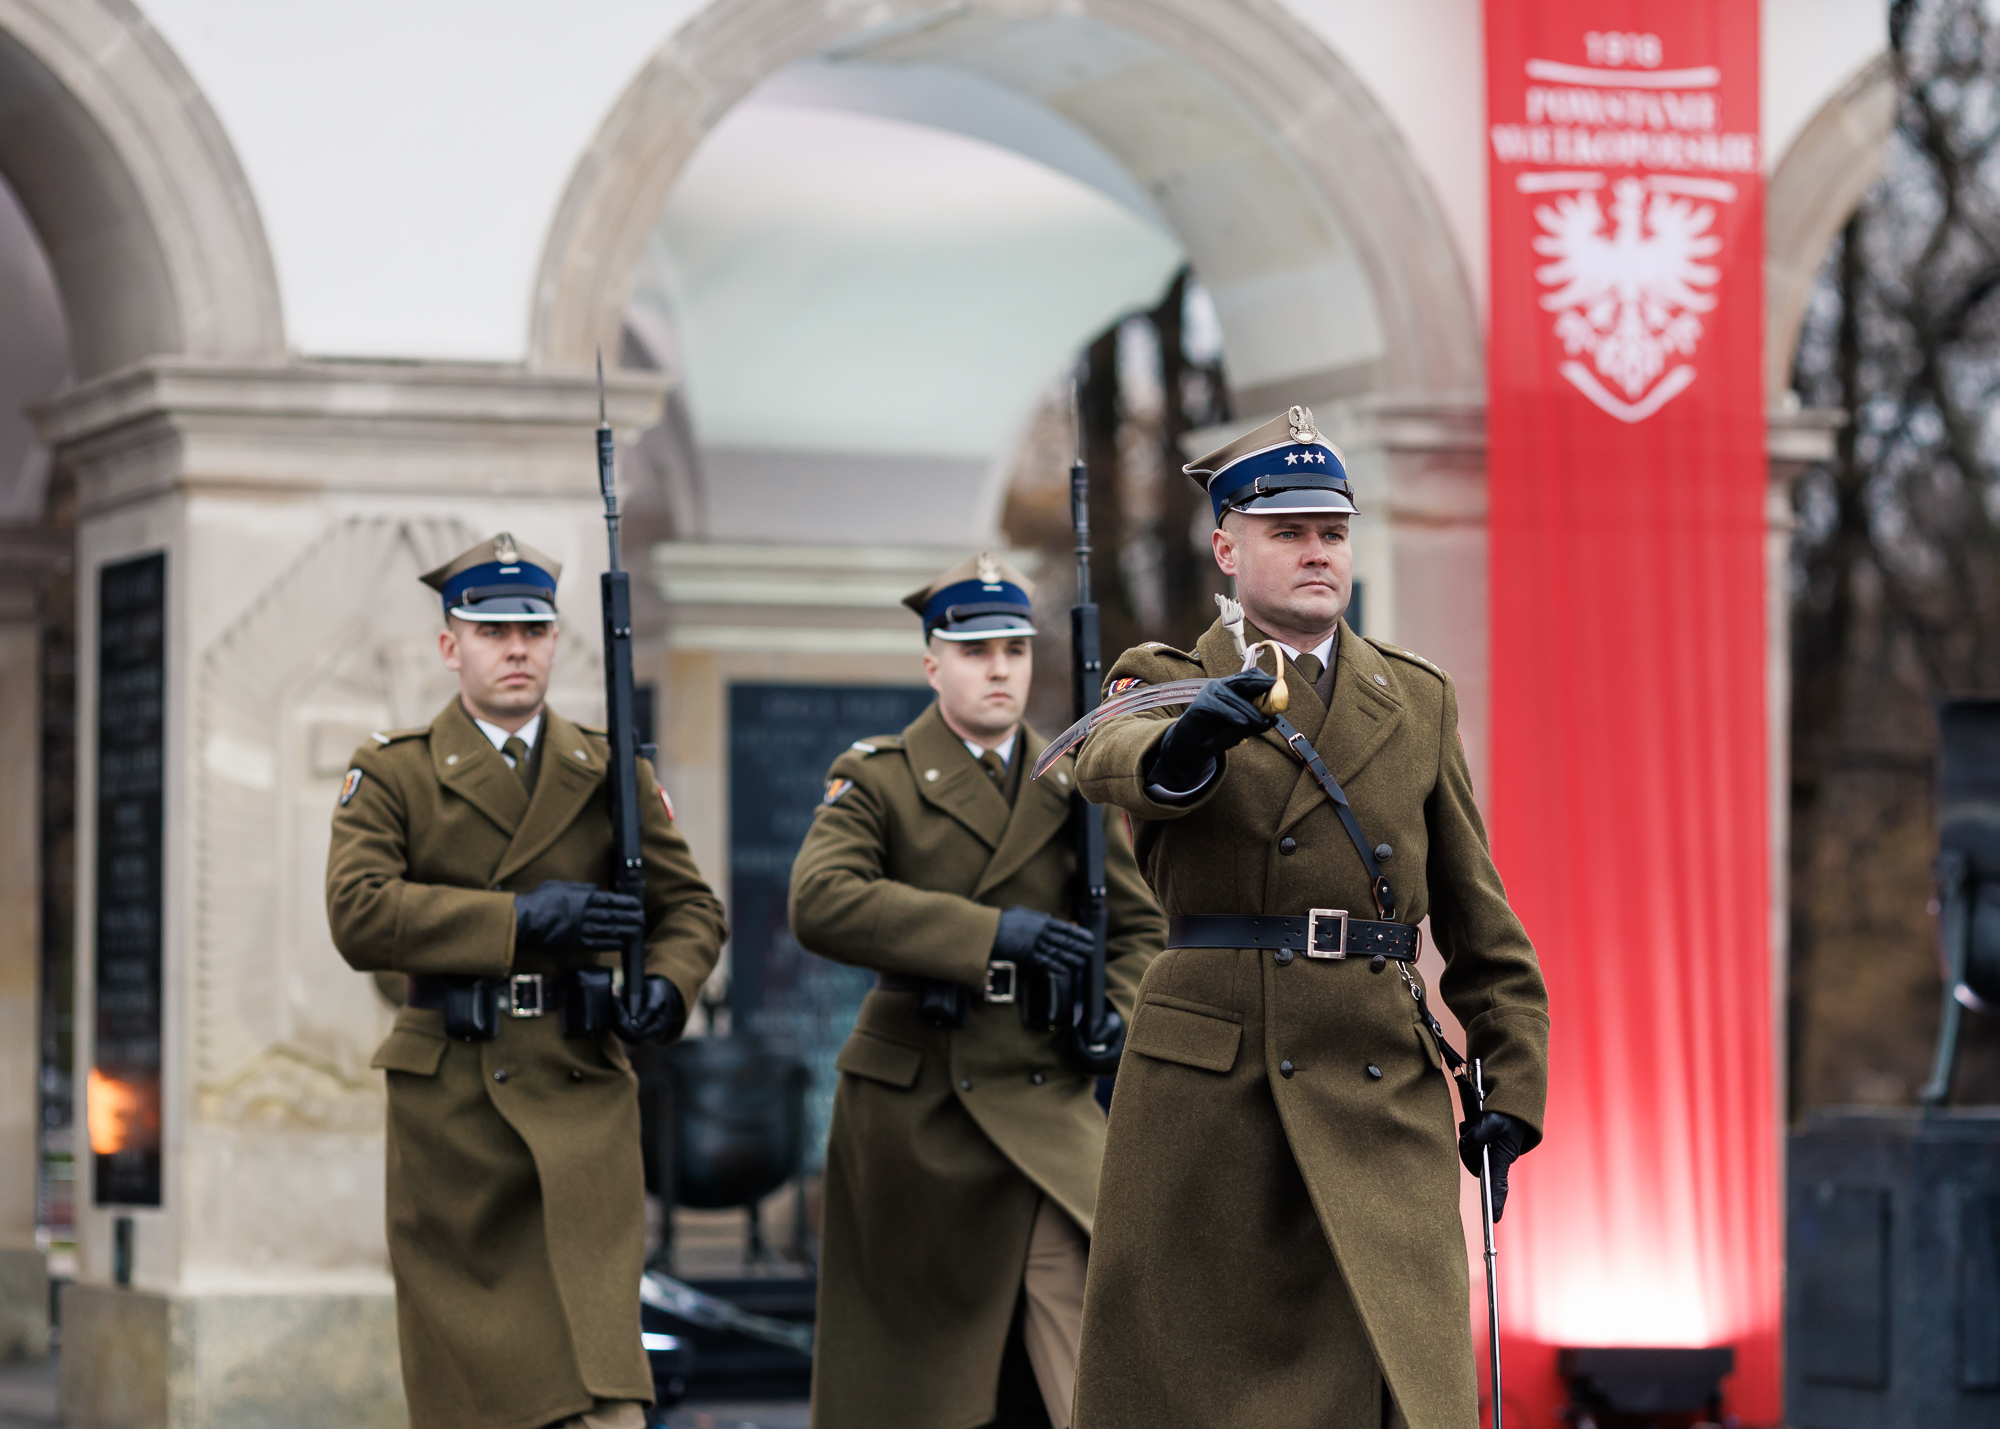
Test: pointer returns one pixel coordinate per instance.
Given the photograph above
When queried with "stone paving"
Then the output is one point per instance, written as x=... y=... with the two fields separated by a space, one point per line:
x=28 y=1395
x=28 y=1401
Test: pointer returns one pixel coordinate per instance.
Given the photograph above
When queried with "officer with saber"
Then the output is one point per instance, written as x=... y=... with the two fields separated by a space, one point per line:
x=1279 y=1191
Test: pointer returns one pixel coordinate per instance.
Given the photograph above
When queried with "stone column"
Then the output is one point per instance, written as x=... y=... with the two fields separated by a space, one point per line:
x=1419 y=470
x=24 y=1286
x=294 y=507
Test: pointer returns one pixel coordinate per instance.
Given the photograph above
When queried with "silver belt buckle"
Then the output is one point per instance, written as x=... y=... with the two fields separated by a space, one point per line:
x=1313 y=949
x=535 y=1004
x=1004 y=992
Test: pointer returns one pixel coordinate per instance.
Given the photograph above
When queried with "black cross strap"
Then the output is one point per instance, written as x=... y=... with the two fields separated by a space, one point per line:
x=1378 y=882
x=1385 y=896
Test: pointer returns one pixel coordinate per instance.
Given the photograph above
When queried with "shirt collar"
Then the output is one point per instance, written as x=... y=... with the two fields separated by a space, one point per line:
x=1324 y=649
x=1005 y=751
x=527 y=733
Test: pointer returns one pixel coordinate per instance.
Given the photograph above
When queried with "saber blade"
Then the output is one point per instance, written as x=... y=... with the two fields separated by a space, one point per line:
x=1149 y=697
x=1492 y=1255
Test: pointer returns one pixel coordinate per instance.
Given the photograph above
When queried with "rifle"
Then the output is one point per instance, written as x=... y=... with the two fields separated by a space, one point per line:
x=622 y=783
x=1088 y=1034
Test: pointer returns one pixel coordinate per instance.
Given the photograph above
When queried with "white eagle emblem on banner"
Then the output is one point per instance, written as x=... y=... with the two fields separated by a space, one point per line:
x=1628 y=292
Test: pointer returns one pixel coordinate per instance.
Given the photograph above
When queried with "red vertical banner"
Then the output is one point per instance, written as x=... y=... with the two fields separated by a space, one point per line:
x=1627 y=475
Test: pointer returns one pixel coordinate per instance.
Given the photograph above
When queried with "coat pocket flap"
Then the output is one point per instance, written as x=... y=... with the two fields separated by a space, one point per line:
x=880 y=1060
x=408 y=1051
x=1181 y=1034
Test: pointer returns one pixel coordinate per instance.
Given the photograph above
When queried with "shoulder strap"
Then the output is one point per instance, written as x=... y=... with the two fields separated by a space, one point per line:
x=1378 y=882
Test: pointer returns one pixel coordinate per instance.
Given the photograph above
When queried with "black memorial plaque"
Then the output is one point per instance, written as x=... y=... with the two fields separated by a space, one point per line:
x=123 y=1096
x=781 y=740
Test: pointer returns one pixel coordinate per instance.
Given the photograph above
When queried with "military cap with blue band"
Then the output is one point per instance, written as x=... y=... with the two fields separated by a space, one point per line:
x=1284 y=467
x=499 y=579
x=980 y=598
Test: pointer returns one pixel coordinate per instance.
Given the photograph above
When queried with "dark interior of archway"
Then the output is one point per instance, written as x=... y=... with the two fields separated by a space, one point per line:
x=90 y=218
x=1895 y=576
x=1152 y=574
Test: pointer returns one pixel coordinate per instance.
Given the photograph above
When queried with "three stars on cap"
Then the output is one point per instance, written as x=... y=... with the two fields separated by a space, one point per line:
x=1293 y=458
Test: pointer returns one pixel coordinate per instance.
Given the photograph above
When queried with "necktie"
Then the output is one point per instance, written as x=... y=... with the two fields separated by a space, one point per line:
x=1310 y=667
x=517 y=750
x=995 y=766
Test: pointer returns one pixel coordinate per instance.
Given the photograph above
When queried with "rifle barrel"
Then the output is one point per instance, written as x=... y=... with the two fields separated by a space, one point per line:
x=1087 y=677
x=622 y=782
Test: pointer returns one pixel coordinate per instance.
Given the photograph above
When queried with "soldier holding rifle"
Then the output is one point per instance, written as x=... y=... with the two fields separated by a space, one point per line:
x=1279 y=1239
x=476 y=856
x=962 y=1172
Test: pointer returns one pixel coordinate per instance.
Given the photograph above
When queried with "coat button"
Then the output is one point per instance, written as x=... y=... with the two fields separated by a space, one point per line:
x=1285 y=1069
x=965 y=1084
x=1288 y=845
x=1383 y=852
x=1374 y=1072
x=931 y=775
x=575 y=1075
x=499 y=1074
x=1282 y=957
x=1038 y=1079
x=1382 y=680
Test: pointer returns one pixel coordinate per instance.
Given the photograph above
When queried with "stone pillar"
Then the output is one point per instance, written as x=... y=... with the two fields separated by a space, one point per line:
x=294 y=507
x=1419 y=470
x=24 y=1286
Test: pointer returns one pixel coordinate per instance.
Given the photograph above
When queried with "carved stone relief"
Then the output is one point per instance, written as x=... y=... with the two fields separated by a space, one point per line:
x=281 y=1028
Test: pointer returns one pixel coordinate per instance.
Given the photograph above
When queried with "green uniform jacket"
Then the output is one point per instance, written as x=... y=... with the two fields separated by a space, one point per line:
x=1276 y=1219
x=516 y=1201
x=944 y=1143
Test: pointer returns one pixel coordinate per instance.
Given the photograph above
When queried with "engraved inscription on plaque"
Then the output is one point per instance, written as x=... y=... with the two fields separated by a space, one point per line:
x=123 y=1091
x=781 y=740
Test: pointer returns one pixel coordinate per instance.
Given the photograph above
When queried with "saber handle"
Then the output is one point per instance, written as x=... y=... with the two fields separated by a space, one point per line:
x=1492 y=1253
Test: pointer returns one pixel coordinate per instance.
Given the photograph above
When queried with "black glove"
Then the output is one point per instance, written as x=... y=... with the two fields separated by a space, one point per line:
x=566 y=918
x=1223 y=714
x=662 y=1012
x=1504 y=1137
x=1043 y=941
x=1100 y=1060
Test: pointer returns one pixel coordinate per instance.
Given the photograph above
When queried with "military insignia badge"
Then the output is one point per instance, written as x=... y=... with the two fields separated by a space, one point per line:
x=1129 y=682
x=665 y=800
x=835 y=788
x=349 y=785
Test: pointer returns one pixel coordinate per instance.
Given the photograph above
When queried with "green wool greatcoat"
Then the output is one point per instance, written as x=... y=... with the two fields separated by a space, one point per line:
x=944 y=1143
x=1271 y=1248
x=516 y=1199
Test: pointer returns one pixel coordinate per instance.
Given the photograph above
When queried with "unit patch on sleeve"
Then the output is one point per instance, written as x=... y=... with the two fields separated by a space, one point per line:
x=1128 y=682
x=349 y=785
x=834 y=789
x=665 y=800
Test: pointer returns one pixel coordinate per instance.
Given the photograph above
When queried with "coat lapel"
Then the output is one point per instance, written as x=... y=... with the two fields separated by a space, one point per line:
x=1040 y=812
x=467 y=764
x=1364 y=713
x=572 y=768
x=950 y=778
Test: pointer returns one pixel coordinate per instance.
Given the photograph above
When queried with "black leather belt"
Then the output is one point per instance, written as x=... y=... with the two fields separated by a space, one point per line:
x=1322 y=933
x=999 y=983
x=522 y=995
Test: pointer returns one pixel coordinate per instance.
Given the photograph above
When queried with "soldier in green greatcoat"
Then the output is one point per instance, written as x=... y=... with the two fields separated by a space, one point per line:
x=961 y=1175
x=1278 y=1236
x=473 y=856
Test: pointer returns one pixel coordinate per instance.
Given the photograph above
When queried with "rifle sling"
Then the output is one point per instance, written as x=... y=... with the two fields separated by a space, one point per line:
x=1384 y=895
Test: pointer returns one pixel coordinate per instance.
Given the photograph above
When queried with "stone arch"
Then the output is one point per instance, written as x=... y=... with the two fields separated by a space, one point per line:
x=1320 y=131
x=1814 y=188
x=145 y=214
